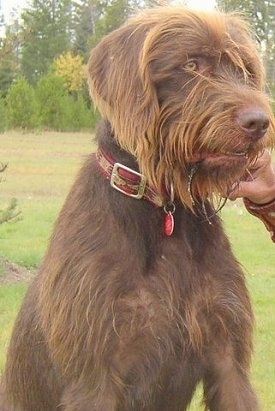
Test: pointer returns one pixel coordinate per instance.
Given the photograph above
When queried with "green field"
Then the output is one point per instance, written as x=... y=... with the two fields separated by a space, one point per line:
x=41 y=168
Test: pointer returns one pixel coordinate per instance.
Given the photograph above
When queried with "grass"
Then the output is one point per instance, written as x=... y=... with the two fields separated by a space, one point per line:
x=10 y=301
x=252 y=246
x=41 y=168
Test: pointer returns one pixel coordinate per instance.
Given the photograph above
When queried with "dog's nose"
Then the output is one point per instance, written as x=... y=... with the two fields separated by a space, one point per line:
x=254 y=122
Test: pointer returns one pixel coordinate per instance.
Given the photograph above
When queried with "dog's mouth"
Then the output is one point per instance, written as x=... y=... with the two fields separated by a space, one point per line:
x=220 y=167
x=235 y=154
x=223 y=157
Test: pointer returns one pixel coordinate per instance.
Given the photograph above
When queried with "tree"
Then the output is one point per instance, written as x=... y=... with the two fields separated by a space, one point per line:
x=8 y=74
x=49 y=27
x=115 y=13
x=81 y=117
x=71 y=69
x=52 y=102
x=96 y=18
x=261 y=15
x=3 y=117
x=21 y=106
x=87 y=14
x=9 y=56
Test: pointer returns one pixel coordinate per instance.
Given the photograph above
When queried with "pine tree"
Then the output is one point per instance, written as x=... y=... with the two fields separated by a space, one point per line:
x=9 y=56
x=21 y=105
x=49 y=27
x=96 y=18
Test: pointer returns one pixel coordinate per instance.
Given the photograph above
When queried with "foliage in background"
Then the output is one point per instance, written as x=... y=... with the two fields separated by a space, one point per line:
x=52 y=102
x=9 y=56
x=21 y=105
x=36 y=56
x=57 y=35
x=261 y=14
x=49 y=105
x=71 y=69
x=47 y=28
x=81 y=116
x=7 y=73
x=11 y=212
x=3 y=116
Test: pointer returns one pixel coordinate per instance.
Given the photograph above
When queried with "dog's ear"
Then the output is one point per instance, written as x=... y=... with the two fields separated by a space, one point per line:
x=123 y=90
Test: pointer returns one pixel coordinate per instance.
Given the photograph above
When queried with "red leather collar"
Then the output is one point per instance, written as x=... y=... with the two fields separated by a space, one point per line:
x=125 y=180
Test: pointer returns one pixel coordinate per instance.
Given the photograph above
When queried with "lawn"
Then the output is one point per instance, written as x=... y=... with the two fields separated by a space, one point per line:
x=41 y=168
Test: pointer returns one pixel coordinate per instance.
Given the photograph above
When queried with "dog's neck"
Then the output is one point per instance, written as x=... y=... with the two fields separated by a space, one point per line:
x=107 y=142
x=121 y=169
x=133 y=184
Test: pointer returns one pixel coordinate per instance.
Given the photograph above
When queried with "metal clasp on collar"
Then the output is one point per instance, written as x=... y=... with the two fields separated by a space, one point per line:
x=140 y=185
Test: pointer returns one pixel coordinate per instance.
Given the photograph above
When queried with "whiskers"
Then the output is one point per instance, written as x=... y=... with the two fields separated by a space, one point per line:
x=216 y=202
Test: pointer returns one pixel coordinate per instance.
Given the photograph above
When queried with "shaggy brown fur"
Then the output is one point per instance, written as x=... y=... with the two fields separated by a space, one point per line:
x=122 y=317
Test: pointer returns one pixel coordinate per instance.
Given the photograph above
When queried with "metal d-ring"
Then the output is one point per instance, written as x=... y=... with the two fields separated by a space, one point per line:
x=170 y=206
x=193 y=171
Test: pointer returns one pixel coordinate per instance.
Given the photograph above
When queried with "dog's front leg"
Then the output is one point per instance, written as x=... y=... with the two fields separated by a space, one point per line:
x=226 y=383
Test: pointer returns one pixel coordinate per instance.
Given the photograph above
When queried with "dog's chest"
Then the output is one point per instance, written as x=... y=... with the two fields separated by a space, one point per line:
x=191 y=285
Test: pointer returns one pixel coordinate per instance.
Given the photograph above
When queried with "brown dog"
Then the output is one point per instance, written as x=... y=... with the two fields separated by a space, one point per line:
x=139 y=297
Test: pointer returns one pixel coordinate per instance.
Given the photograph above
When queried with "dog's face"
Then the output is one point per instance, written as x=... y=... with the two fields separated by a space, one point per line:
x=183 y=90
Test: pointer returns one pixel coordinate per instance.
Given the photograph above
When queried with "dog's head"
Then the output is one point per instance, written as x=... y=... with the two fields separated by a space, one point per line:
x=184 y=89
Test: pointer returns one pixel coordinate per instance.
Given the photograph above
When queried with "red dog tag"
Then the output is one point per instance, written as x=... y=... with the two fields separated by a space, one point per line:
x=169 y=224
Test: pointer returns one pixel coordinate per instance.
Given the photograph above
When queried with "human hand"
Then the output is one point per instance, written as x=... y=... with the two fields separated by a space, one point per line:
x=259 y=185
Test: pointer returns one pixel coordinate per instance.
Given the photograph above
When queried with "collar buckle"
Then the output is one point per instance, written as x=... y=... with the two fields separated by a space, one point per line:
x=117 y=181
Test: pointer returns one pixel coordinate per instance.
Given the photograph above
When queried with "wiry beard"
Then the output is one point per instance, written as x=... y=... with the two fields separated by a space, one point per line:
x=203 y=131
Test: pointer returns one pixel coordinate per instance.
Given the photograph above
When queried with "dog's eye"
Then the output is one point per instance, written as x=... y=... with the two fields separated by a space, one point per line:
x=191 y=65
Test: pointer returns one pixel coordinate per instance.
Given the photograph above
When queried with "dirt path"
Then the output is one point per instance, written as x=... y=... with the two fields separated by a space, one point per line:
x=12 y=273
